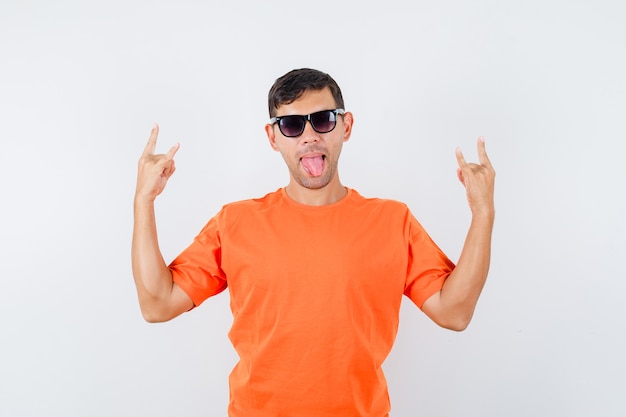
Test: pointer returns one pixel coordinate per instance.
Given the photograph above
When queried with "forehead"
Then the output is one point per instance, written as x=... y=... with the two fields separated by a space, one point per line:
x=311 y=101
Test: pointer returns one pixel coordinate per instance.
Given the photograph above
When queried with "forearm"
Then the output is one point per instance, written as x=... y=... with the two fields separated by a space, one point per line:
x=462 y=289
x=153 y=278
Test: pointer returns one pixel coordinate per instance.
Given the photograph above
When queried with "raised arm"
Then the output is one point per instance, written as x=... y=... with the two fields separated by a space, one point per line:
x=160 y=298
x=454 y=305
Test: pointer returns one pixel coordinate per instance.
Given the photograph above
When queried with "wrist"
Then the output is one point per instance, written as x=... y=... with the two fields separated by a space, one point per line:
x=484 y=214
x=143 y=201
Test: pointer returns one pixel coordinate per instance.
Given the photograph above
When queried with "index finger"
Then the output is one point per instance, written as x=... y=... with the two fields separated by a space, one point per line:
x=151 y=145
x=482 y=153
x=459 y=158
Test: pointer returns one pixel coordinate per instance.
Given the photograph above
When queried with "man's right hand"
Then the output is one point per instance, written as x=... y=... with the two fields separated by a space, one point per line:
x=154 y=170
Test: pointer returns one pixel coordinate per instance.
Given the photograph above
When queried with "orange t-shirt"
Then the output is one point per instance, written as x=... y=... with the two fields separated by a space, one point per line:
x=315 y=296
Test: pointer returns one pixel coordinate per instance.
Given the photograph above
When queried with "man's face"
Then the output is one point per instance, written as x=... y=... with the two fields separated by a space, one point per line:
x=312 y=157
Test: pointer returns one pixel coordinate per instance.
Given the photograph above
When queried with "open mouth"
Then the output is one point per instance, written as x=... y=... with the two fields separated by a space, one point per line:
x=313 y=164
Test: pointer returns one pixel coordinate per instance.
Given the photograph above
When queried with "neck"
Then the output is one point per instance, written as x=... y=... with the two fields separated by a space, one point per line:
x=329 y=194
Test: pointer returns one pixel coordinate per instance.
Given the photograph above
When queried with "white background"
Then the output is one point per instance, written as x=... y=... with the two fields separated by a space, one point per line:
x=81 y=84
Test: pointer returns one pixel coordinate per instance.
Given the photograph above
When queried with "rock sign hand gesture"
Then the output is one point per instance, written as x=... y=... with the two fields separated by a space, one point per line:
x=478 y=180
x=154 y=170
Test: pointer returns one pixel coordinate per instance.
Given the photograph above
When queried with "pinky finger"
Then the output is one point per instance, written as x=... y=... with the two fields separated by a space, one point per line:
x=482 y=153
x=170 y=154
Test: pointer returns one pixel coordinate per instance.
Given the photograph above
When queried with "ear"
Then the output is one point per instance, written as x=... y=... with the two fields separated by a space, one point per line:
x=269 y=131
x=348 y=121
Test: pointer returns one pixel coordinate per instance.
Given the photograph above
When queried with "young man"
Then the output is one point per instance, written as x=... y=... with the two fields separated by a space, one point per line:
x=315 y=271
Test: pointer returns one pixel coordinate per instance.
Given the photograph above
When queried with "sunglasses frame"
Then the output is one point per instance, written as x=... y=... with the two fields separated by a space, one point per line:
x=306 y=118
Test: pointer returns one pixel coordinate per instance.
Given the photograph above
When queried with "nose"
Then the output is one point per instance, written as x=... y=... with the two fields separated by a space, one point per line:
x=309 y=134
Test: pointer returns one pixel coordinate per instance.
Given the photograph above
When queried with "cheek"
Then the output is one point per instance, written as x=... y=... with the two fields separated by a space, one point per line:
x=287 y=156
x=337 y=150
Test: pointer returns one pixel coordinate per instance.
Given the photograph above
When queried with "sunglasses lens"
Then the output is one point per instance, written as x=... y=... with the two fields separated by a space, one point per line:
x=291 y=126
x=324 y=121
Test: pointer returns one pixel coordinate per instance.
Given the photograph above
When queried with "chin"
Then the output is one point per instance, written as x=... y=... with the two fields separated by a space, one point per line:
x=314 y=183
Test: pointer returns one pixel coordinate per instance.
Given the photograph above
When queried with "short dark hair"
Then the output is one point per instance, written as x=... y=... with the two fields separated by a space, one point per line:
x=292 y=85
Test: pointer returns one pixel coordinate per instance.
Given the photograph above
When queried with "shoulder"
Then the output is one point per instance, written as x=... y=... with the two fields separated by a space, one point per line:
x=254 y=205
x=240 y=213
x=381 y=211
x=378 y=204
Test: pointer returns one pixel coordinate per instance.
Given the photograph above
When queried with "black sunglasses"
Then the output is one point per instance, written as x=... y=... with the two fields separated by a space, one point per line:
x=292 y=126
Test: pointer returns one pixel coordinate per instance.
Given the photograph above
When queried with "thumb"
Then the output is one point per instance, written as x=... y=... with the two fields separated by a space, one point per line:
x=459 y=174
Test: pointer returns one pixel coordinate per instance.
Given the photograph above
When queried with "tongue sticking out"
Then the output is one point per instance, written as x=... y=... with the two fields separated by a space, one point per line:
x=313 y=165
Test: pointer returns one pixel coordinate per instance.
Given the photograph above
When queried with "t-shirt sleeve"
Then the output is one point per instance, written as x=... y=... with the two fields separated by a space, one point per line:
x=197 y=270
x=428 y=266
